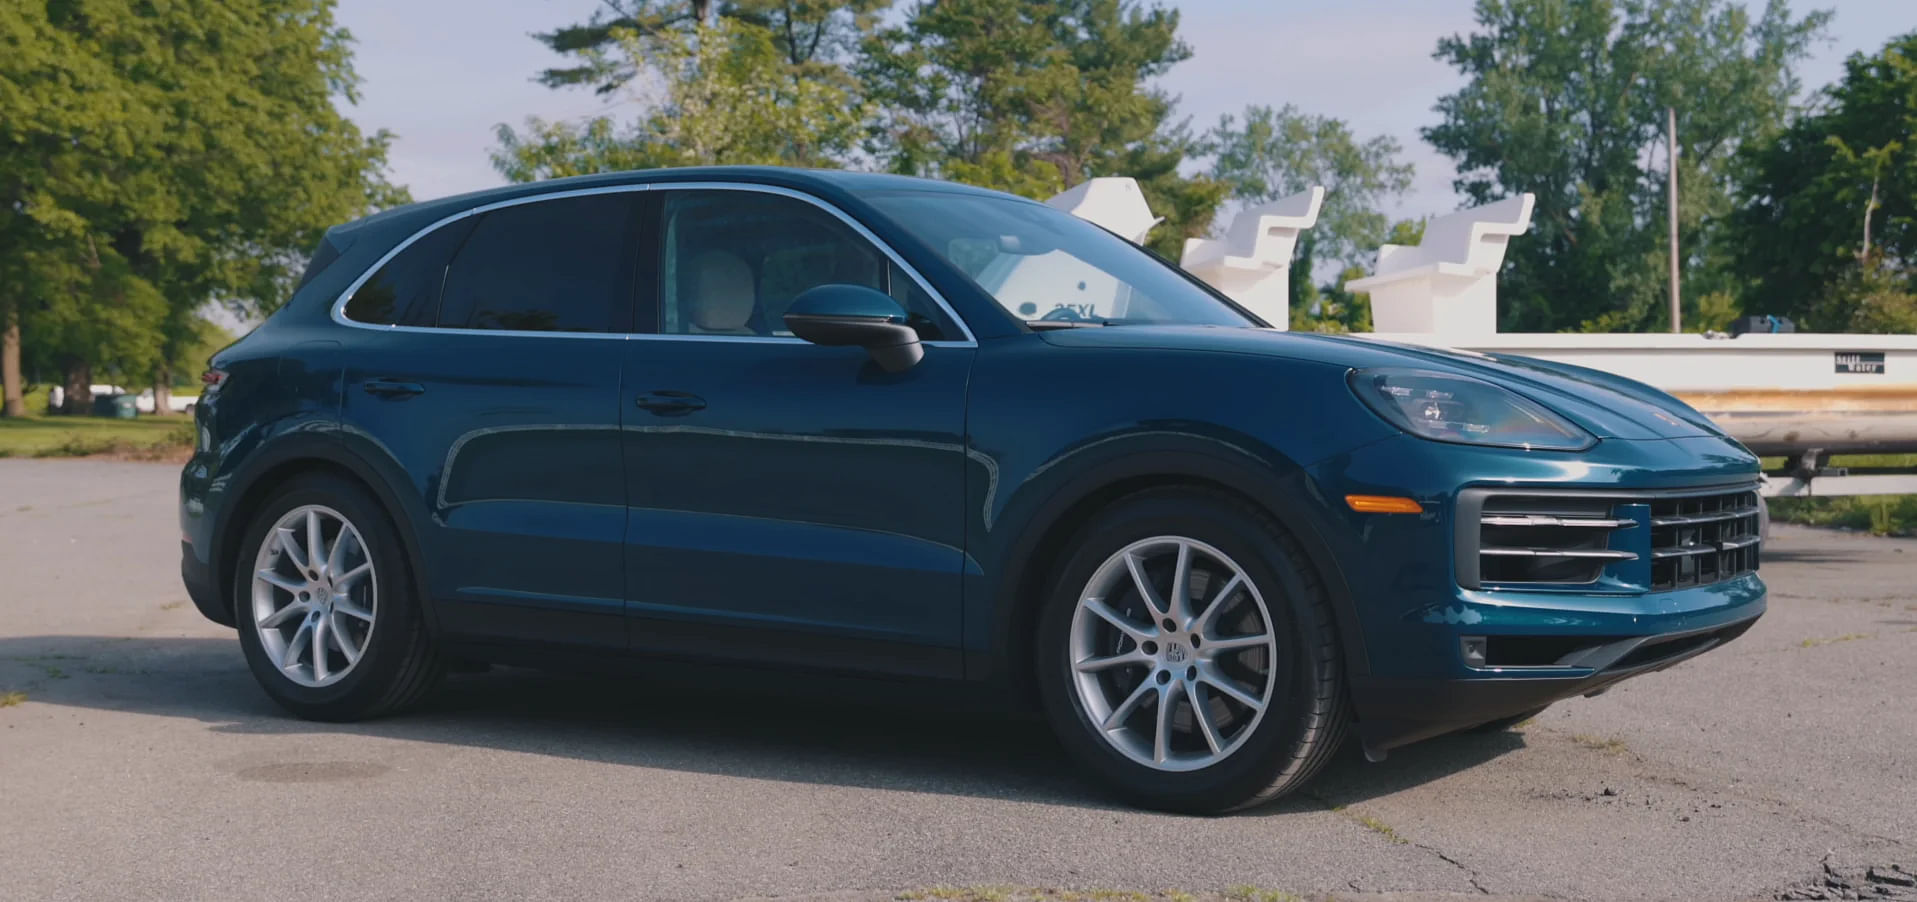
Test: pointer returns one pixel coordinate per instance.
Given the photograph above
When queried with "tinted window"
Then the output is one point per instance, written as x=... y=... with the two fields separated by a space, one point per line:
x=734 y=260
x=560 y=265
x=406 y=290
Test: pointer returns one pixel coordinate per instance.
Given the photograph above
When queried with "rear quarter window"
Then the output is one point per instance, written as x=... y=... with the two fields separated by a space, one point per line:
x=406 y=289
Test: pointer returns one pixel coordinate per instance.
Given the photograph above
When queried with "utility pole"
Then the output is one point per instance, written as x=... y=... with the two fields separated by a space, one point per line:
x=1670 y=137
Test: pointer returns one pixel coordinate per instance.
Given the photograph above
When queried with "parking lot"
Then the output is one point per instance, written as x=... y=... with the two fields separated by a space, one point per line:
x=139 y=760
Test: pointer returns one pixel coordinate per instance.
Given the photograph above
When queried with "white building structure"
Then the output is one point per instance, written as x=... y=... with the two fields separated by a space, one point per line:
x=1251 y=264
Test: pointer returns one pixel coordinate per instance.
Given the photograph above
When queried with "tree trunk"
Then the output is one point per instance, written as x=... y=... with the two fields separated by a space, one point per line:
x=79 y=388
x=163 y=391
x=15 y=404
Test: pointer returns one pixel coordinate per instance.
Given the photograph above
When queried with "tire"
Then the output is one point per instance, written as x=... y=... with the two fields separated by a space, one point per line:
x=1236 y=756
x=1506 y=723
x=397 y=663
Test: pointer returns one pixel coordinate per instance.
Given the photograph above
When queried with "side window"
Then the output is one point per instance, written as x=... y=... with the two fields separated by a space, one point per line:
x=406 y=290
x=734 y=260
x=561 y=265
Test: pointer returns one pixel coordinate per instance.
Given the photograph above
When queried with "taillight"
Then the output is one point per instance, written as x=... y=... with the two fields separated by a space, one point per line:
x=211 y=380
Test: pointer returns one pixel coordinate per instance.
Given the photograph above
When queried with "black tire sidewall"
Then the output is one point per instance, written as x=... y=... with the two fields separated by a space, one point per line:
x=1248 y=542
x=396 y=615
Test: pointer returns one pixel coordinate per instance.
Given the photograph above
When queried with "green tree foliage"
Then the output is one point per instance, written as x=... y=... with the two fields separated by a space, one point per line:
x=813 y=36
x=1828 y=231
x=1278 y=152
x=1566 y=99
x=1035 y=96
x=724 y=94
x=155 y=157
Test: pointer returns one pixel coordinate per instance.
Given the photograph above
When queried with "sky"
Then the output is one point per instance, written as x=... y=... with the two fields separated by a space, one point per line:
x=442 y=74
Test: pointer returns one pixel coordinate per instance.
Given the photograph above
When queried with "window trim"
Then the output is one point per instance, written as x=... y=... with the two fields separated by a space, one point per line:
x=338 y=313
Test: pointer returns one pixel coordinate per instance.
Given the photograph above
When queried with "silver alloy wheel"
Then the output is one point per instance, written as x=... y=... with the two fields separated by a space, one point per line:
x=1173 y=653
x=315 y=598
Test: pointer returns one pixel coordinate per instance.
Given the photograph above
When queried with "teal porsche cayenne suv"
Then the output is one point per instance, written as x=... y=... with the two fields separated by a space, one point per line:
x=880 y=425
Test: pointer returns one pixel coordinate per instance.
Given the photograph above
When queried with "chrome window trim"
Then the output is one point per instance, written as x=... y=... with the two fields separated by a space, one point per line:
x=339 y=304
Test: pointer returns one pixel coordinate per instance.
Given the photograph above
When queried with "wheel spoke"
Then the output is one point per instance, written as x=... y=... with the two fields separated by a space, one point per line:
x=1202 y=619
x=302 y=638
x=1130 y=658
x=1121 y=622
x=1211 y=677
x=1144 y=585
x=333 y=559
x=315 y=546
x=1232 y=643
x=343 y=580
x=290 y=544
x=1161 y=736
x=273 y=578
x=1201 y=714
x=1130 y=704
x=1178 y=606
x=292 y=609
x=320 y=671
x=349 y=608
x=343 y=640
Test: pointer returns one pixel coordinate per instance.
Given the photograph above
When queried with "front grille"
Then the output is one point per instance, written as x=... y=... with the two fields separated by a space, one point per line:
x=1700 y=540
x=1648 y=540
x=1528 y=539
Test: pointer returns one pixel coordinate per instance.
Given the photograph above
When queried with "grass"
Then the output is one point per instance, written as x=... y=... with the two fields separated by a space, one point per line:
x=9 y=699
x=1036 y=894
x=1611 y=746
x=1883 y=515
x=145 y=437
x=1847 y=637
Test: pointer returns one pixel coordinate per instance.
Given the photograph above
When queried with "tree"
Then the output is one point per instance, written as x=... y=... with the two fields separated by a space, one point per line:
x=159 y=156
x=813 y=36
x=724 y=96
x=1035 y=96
x=1279 y=152
x=1566 y=99
x=1274 y=153
x=1827 y=232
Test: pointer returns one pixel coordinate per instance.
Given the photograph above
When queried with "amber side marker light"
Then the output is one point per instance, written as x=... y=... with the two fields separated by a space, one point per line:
x=1383 y=504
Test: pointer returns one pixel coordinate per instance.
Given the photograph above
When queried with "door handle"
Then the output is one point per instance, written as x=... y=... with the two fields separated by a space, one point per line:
x=671 y=403
x=387 y=388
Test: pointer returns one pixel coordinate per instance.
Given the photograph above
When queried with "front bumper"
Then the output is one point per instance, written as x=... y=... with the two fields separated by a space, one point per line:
x=1413 y=610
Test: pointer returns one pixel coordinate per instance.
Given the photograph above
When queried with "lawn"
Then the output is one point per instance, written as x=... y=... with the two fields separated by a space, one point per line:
x=39 y=435
x=1884 y=515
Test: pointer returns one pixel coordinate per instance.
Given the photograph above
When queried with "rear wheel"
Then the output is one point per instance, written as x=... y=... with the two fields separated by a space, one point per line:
x=1187 y=655
x=327 y=616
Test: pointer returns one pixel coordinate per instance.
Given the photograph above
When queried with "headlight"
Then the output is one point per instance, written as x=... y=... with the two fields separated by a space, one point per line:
x=1448 y=408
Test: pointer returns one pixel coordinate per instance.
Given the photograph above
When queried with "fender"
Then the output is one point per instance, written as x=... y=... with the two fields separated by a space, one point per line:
x=322 y=442
x=1234 y=463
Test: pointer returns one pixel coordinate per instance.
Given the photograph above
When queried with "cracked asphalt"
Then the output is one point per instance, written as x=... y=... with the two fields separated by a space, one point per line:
x=139 y=760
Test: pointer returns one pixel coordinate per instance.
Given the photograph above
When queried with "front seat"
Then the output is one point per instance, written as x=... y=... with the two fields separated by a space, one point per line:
x=721 y=297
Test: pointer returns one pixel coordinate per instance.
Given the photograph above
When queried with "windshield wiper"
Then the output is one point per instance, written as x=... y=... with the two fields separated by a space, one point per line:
x=1041 y=325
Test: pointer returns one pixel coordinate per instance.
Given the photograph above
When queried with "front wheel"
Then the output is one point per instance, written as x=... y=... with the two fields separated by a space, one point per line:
x=1187 y=654
x=327 y=616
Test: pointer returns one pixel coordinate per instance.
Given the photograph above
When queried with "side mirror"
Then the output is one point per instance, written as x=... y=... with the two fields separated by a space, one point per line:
x=856 y=315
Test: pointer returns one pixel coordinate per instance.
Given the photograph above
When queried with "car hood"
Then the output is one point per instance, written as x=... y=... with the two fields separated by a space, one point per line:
x=1607 y=405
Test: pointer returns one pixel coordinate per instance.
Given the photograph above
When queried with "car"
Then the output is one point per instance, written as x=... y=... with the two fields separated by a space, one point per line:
x=869 y=424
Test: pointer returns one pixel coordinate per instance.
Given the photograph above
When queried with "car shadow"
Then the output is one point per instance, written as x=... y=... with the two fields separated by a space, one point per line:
x=869 y=733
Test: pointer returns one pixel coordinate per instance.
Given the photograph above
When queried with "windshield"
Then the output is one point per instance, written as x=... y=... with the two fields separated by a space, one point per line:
x=1050 y=267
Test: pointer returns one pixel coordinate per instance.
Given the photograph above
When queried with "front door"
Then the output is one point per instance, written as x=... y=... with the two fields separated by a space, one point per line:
x=789 y=502
x=499 y=397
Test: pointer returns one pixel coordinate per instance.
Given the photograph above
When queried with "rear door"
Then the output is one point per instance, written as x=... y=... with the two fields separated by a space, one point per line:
x=490 y=374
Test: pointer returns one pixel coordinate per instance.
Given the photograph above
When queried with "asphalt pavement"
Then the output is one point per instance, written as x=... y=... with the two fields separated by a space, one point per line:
x=139 y=760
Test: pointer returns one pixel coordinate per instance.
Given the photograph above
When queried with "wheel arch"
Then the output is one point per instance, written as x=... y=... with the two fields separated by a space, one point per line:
x=1031 y=558
x=277 y=466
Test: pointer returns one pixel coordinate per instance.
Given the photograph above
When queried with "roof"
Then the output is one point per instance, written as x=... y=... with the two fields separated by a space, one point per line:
x=819 y=181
